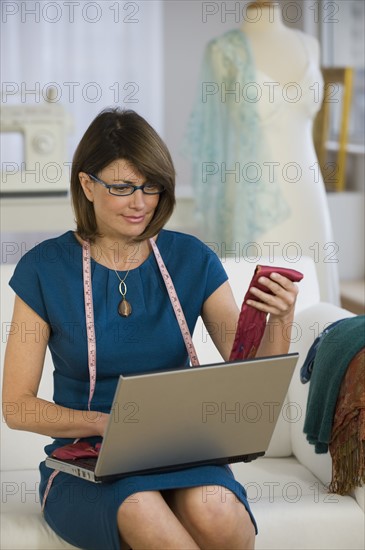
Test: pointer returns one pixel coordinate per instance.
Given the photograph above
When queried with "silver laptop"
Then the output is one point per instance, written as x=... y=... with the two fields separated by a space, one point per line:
x=213 y=414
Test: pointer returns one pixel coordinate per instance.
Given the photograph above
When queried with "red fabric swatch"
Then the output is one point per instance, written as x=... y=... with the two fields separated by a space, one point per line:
x=251 y=322
x=80 y=449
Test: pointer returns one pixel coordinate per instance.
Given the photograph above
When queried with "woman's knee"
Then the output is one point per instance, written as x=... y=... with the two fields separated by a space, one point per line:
x=137 y=505
x=215 y=512
x=210 y=504
x=134 y=513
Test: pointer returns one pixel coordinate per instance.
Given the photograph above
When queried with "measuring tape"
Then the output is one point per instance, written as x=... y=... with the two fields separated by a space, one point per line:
x=89 y=315
x=91 y=341
x=176 y=305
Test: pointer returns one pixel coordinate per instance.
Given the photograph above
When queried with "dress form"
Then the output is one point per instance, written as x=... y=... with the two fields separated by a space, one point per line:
x=269 y=40
x=287 y=70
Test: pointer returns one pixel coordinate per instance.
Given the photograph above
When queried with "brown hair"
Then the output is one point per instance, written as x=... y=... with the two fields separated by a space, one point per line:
x=122 y=134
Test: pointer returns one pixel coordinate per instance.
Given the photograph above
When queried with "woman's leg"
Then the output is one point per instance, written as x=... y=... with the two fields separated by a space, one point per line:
x=214 y=517
x=145 y=521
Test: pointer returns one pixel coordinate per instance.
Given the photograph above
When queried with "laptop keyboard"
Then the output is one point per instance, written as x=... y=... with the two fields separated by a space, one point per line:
x=86 y=463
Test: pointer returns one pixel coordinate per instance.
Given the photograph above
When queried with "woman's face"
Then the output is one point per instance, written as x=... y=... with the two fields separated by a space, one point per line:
x=118 y=217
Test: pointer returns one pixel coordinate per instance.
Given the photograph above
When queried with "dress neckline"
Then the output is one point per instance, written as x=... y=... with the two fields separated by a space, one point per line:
x=98 y=265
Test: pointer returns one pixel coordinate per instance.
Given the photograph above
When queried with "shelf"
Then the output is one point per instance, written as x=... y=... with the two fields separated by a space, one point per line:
x=352 y=148
x=353 y=296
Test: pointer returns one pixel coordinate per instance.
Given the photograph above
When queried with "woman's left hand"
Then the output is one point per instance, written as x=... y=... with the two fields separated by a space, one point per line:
x=280 y=302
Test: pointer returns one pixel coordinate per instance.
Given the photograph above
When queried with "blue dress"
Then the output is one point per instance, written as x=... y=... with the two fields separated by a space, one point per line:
x=49 y=279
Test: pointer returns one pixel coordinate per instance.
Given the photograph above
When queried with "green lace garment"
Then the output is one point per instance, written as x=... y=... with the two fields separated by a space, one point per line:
x=237 y=198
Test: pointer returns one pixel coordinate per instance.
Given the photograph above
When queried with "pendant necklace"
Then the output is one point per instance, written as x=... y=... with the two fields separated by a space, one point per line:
x=124 y=307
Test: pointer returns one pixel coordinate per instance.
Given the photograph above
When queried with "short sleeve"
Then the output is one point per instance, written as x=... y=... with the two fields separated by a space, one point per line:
x=216 y=274
x=27 y=285
x=194 y=267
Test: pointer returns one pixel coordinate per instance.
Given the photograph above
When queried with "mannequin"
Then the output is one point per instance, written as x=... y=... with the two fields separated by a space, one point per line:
x=308 y=224
x=260 y=90
x=265 y=18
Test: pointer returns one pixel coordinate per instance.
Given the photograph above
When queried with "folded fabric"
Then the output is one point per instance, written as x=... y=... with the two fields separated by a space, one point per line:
x=251 y=322
x=307 y=368
x=333 y=356
x=347 y=446
x=80 y=449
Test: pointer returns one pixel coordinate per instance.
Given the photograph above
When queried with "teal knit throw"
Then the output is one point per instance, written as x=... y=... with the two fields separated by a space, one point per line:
x=333 y=356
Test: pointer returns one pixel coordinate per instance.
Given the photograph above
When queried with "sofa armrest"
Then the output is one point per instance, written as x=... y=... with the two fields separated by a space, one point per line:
x=359 y=496
x=308 y=324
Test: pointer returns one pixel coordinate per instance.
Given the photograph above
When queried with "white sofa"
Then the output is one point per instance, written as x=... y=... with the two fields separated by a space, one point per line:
x=286 y=488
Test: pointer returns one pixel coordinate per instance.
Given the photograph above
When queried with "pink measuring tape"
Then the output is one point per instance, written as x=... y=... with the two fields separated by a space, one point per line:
x=91 y=341
x=89 y=316
x=176 y=305
x=90 y=325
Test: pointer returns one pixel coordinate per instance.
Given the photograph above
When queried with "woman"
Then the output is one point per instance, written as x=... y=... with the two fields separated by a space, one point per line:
x=122 y=185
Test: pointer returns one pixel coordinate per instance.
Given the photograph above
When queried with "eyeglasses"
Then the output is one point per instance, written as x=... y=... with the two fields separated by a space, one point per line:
x=125 y=189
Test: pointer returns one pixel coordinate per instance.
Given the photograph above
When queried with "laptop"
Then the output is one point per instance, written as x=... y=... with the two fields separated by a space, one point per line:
x=213 y=414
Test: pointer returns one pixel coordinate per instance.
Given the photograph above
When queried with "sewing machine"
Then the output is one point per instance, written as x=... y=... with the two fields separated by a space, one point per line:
x=44 y=168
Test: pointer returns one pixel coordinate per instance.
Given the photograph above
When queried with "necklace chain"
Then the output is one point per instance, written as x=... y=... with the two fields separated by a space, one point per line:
x=122 y=281
x=122 y=285
x=124 y=307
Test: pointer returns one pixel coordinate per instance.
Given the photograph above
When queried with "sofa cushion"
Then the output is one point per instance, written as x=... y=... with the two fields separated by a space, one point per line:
x=294 y=510
x=22 y=523
x=285 y=498
x=285 y=524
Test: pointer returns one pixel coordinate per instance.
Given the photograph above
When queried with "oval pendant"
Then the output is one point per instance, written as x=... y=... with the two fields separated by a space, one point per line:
x=124 y=308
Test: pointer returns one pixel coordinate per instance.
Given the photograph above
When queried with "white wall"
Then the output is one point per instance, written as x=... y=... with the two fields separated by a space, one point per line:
x=186 y=35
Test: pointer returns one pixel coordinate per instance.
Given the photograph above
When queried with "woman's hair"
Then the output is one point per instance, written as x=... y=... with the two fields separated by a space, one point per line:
x=122 y=134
